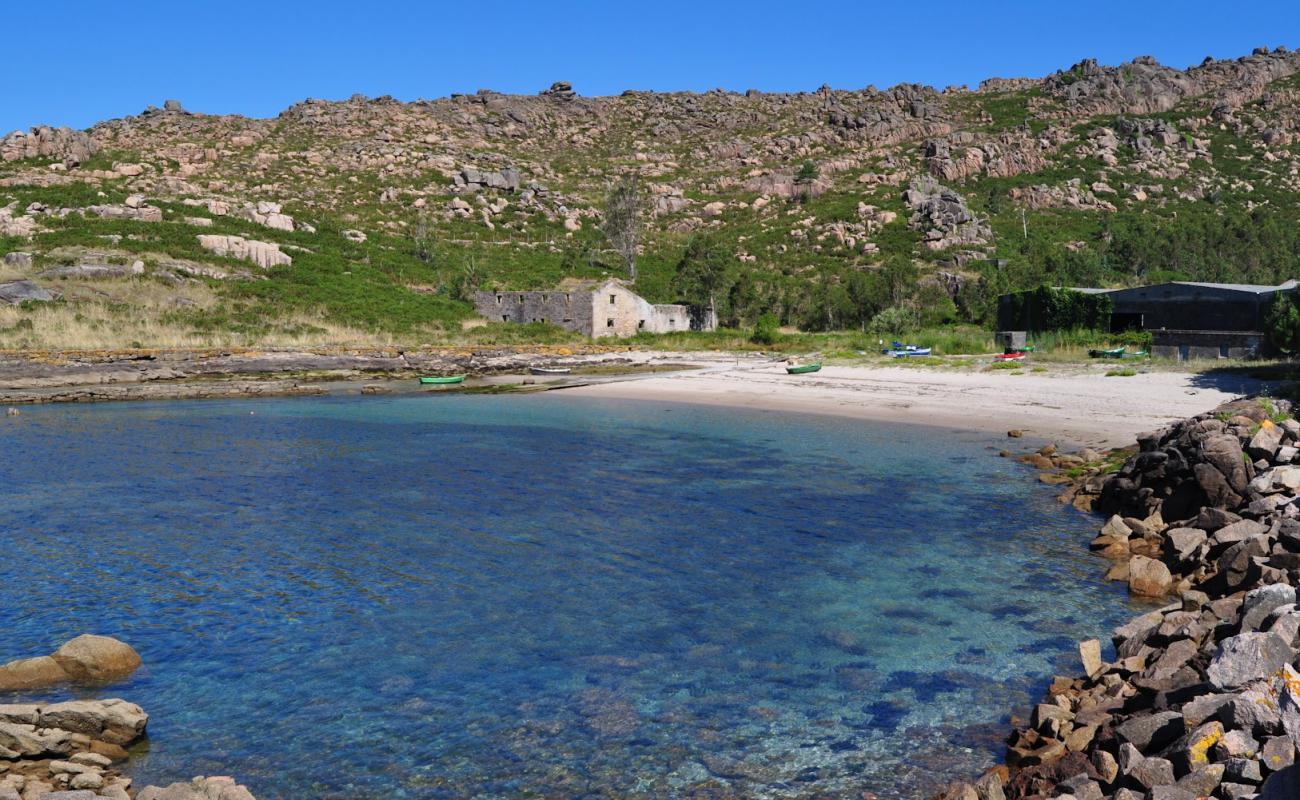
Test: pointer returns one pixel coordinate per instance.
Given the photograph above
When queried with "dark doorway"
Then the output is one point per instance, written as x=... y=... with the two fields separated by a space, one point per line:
x=1126 y=321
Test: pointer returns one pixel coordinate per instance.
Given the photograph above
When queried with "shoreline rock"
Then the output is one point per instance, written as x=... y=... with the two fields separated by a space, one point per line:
x=87 y=659
x=1202 y=699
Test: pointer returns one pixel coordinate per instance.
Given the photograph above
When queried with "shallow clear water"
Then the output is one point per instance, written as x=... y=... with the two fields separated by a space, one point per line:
x=428 y=597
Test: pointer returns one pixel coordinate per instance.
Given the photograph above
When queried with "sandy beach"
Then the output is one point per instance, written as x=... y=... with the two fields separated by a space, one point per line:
x=1078 y=406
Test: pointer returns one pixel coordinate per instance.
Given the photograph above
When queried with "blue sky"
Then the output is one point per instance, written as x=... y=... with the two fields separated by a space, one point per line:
x=74 y=63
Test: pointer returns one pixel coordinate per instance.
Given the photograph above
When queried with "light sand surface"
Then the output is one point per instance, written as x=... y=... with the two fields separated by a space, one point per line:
x=1077 y=406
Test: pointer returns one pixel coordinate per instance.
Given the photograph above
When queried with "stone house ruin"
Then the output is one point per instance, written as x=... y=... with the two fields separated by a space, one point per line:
x=597 y=309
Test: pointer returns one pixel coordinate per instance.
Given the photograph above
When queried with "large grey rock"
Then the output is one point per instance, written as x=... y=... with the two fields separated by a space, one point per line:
x=1265 y=442
x=1183 y=544
x=1248 y=657
x=18 y=260
x=216 y=788
x=1152 y=731
x=1285 y=622
x=1255 y=709
x=1153 y=772
x=1278 y=753
x=1202 y=781
x=1238 y=531
x=1205 y=707
x=87 y=272
x=17 y=292
x=30 y=740
x=113 y=721
x=1261 y=602
x=1223 y=452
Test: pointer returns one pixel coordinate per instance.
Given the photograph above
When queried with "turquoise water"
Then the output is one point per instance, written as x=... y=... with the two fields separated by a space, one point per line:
x=442 y=597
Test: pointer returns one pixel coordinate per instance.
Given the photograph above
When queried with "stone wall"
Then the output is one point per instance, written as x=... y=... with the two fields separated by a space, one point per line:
x=610 y=309
x=569 y=310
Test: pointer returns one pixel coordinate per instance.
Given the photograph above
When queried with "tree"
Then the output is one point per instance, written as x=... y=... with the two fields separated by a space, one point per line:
x=622 y=221
x=705 y=272
x=422 y=239
x=804 y=180
x=1282 y=323
x=900 y=277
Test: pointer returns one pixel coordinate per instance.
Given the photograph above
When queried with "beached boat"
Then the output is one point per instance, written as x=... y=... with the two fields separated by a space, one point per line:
x=1137 y=354
x=1014 y=355
x=442 y=380
x=1029 y=348
x=908 y=349
x=1115 y=352
x=550 y=370
x=803 y=369
x=911 y=351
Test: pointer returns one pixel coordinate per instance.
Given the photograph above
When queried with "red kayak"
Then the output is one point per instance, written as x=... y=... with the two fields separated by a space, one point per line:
x=1015 y=356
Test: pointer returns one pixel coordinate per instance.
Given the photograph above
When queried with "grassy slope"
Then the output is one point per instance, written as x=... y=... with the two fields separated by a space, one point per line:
x=380 y=291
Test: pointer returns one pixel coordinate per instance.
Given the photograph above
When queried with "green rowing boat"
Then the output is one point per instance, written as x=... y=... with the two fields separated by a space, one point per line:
x=1117 y=352
x=443 y=380
x=803 y=369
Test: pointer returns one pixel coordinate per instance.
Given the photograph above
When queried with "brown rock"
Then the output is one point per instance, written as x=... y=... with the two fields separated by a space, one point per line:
x=31 y=673
x=96 y=659
x=1148 y=577
x=1090 y=656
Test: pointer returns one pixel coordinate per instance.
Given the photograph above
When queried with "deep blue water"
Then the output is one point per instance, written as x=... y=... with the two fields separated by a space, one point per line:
x=429 y=597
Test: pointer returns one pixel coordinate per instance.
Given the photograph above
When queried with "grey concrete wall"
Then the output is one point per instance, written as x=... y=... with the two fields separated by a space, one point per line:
x=1194 y=345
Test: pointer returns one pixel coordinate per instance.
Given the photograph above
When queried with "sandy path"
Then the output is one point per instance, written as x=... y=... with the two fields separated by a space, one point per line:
x=1079 y=407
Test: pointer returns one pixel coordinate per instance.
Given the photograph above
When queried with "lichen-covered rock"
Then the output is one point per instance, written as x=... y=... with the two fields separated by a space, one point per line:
x=1248 y=657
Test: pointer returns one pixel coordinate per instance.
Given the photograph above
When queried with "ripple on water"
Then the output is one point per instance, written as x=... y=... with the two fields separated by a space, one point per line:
x=427 y=598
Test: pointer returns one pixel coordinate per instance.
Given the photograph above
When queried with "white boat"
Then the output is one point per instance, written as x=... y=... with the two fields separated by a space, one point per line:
x=550 y=370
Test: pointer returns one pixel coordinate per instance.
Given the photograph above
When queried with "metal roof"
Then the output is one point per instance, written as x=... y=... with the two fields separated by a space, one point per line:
x=1241 y=287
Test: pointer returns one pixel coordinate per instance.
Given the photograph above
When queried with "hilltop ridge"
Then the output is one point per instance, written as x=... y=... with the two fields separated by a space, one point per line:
x=371 y=218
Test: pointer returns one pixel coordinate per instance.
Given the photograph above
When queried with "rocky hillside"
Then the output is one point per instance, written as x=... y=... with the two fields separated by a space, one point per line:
x=371 y=217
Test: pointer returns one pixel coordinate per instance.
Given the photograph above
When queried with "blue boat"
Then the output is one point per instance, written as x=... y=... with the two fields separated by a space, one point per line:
x=909 y=352
x=900 y=350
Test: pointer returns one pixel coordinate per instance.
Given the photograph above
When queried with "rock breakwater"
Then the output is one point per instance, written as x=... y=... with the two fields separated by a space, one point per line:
x=1202 y=696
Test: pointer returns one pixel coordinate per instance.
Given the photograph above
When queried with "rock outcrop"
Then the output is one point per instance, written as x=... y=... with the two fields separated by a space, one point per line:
x=69 y=146
x=75 y=750
x=16 y=292
x=942 y=217
x=69 y=746
x=263 y=254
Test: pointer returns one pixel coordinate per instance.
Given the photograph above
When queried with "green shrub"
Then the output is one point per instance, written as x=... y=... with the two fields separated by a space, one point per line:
x=1050 y=309
x=767 y=331
x=1282 y=324
x=893 y=321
